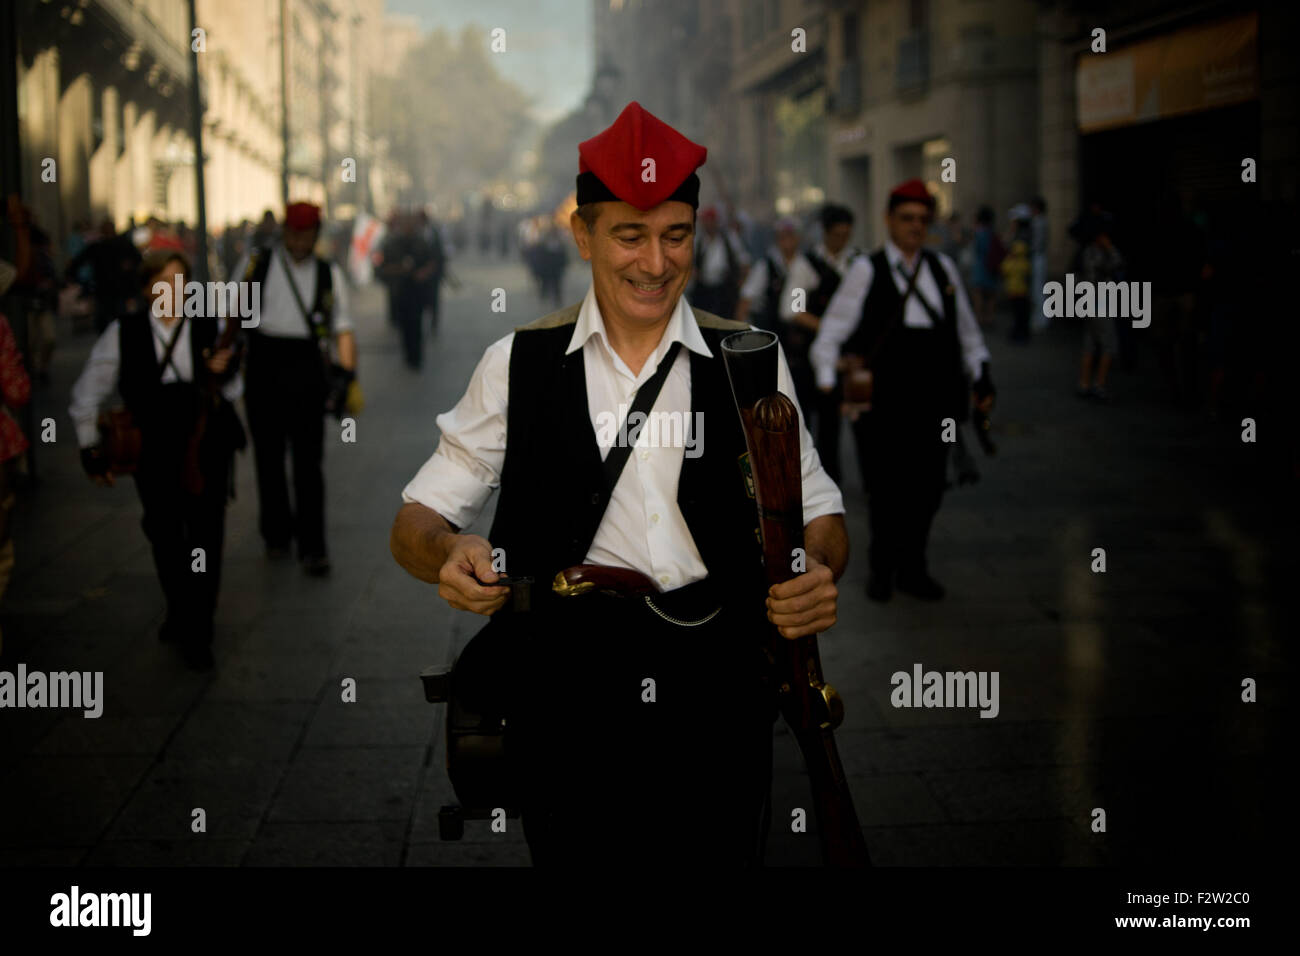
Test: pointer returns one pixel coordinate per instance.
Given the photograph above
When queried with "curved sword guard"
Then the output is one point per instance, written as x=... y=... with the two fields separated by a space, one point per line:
x=830 y=698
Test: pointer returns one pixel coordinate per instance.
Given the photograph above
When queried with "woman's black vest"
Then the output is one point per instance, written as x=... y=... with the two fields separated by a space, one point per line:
x=553 y=492
x=139 y=372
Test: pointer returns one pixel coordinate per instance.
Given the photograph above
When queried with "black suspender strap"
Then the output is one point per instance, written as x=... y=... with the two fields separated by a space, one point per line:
x=643 y=402
x=171 y=347
x=940 y=279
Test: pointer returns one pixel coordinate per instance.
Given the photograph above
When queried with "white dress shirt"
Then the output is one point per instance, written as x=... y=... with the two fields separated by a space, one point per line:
x=799 y=274
x=98 y=378
x=279 y=315
x=845 y=309
x=642 y=527
x=713 y=261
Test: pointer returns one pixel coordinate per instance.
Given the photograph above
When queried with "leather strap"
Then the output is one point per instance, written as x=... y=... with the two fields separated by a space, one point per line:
x=643 y=402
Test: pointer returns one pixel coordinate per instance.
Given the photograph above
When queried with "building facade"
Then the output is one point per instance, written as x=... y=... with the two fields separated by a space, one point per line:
x=103 y=91
x=917 y=82
x=1157 y=127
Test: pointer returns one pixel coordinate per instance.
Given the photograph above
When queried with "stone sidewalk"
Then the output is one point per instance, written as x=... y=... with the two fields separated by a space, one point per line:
x=1118 y=690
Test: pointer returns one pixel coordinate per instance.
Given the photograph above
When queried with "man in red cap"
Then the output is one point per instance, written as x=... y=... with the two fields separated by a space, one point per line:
x=721 y=265
x=638 y=718
x=303 y=312
x=903 y=310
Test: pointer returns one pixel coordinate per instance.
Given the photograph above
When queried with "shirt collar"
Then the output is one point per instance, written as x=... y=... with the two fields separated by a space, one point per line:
x=682 y=327
x=895 y=256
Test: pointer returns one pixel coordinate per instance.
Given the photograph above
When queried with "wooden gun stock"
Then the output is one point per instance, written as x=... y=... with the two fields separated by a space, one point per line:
x=809 y=705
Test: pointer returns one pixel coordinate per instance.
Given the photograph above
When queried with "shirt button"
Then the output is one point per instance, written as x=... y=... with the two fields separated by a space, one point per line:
x=645 y=456
x=654 y=519
x=663 y=579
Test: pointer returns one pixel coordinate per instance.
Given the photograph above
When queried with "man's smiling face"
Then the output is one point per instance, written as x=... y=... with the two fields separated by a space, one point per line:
x=640 y=261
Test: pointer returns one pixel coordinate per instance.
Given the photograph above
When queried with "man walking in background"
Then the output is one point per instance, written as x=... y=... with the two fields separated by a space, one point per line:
x=303 y=309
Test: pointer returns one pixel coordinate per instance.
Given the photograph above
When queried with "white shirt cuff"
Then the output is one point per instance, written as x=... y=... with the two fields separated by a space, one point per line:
x=449 y=488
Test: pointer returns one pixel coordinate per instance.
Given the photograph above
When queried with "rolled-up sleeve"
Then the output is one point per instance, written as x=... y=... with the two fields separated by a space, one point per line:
x=821 y=496
x=461 y=475
x=841 y=318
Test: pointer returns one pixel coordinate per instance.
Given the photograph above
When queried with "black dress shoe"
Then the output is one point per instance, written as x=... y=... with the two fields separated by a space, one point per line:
x=879 y=588
x=317 y=565
x=921 y=586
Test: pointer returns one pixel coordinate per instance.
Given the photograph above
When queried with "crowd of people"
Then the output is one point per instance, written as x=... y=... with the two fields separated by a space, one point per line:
x=948 y=275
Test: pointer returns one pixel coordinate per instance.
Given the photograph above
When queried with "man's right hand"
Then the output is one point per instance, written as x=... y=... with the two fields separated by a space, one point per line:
x=469 y=562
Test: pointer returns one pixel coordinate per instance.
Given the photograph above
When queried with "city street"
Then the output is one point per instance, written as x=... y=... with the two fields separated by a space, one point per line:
x=1119 y=690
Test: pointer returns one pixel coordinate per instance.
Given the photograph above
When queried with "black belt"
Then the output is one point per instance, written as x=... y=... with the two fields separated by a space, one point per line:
x=688 y=606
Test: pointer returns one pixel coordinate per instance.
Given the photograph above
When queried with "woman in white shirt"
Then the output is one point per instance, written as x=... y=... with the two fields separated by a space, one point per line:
x=188 y=434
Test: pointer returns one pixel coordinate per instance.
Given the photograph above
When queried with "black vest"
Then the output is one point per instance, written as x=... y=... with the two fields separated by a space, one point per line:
x=898 y=365
x=828 y=281
x=553 y=492
x=776 y=276
x=139 y=372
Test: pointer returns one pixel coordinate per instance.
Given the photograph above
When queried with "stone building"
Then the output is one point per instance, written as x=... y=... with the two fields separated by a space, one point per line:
x=103 y=91
x=915 y=82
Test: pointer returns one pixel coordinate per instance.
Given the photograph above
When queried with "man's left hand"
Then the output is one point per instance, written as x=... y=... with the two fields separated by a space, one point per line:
x=805 y=604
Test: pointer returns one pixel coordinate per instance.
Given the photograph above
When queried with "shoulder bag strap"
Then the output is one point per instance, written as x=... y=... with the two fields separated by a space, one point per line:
x=643 y=402
x=297 y=297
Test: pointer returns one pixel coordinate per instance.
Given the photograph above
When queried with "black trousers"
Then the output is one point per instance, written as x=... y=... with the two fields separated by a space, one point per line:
x=407 y=305
x=284 y=396
x=177 y=522
x=611 y=778
x=901 y=451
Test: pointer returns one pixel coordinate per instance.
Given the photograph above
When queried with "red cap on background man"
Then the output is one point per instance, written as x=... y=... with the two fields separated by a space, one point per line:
x=911 y=191
x=640 y=160
x=301 y=216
